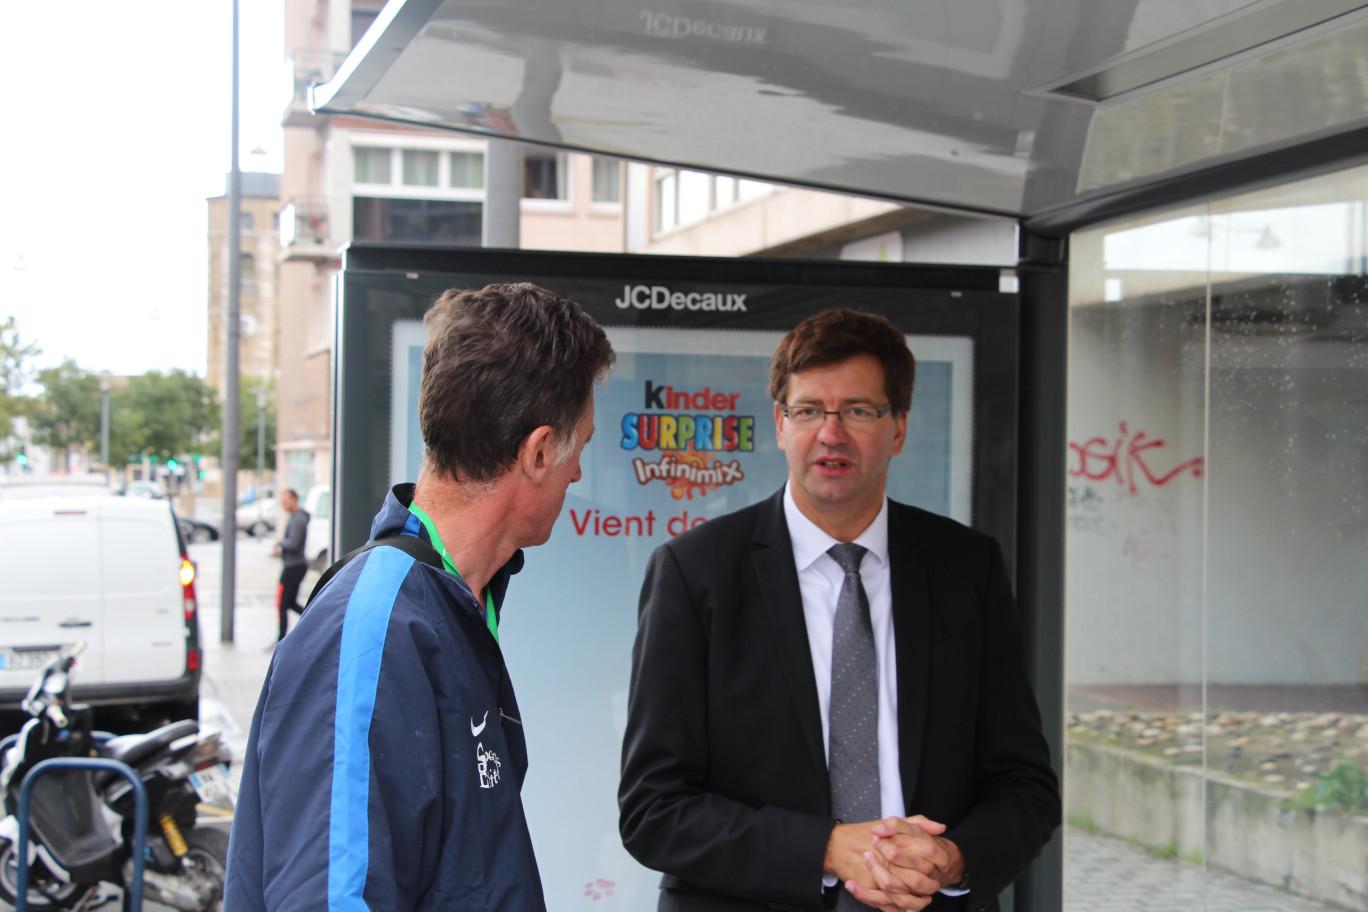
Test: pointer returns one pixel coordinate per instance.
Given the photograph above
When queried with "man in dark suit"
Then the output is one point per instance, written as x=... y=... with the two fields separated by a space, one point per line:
x=829 y=703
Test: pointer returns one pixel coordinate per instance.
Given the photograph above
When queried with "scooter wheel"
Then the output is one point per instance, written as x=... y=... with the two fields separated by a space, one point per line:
x=45 y=892
x=208 y=857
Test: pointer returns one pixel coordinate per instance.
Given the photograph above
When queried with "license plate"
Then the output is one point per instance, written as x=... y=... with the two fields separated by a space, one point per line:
x=214 y=787
x=25 y=659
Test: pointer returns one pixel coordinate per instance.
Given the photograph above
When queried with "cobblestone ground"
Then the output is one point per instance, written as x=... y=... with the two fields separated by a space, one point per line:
x=1106 y=874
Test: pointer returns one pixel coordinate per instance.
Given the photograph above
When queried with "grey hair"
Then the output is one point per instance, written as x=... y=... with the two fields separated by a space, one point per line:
x=565 y=447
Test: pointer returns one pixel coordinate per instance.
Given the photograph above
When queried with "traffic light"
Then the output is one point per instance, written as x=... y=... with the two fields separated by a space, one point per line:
x=172 y=464
x=22 y=458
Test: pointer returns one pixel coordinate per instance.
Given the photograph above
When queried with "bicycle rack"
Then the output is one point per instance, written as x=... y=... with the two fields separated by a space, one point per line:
x=133 y=895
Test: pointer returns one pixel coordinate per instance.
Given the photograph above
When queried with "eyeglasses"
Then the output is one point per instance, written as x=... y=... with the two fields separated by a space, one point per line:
x=851 y=414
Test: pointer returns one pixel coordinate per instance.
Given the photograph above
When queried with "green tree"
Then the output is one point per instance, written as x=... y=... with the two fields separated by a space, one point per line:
x=248 y=416
x=67 y=413
x=14 y=373
x=163 y=416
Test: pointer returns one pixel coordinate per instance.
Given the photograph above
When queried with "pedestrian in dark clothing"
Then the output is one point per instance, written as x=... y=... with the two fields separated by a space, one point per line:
x=290 y=550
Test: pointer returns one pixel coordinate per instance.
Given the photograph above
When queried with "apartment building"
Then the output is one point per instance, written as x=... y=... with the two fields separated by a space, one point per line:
x=348 y=179
x=259 y=252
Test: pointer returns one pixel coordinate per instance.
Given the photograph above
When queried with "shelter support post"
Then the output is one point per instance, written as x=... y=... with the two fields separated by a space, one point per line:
x=1042 y=435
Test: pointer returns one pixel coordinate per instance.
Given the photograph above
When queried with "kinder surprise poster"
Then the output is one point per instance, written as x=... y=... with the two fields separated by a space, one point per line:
x=684 y=431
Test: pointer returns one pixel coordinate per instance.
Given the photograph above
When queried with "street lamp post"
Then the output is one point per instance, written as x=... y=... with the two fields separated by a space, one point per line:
x=106 y=384
x=232 y=391
x=261 y=393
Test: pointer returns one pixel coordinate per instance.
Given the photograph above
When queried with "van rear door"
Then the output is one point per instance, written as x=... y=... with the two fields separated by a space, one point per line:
x=50 y=594
x=144 y=634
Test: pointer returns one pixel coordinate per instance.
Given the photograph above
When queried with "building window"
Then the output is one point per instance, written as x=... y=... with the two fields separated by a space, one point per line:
x=372 y=165
x=607 y=180
x=724 y=192
x=456 y=173
x=687 y=197
x=544 y=175
x=425 y=191
x=666 y=199
x=467 y=170
x=455 y=222
x=695 y=191
x=420 y=168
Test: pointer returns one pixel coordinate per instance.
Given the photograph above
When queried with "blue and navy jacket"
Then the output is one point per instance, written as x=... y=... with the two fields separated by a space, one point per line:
x=386 y=754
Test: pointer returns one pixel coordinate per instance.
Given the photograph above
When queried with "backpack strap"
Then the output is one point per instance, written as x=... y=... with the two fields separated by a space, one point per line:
x=411 y=545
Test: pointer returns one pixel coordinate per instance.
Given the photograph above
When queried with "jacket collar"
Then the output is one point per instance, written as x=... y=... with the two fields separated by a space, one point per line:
x=394 y=518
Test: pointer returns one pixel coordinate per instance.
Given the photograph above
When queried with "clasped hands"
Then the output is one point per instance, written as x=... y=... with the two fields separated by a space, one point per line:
x=894 y=864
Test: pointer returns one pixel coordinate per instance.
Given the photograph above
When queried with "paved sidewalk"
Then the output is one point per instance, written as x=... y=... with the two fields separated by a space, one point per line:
x=1106 y=874
x=234 y=672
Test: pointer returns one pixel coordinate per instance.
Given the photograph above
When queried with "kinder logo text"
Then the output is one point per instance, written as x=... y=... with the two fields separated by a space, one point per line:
x=703 y=433
x=660 y=297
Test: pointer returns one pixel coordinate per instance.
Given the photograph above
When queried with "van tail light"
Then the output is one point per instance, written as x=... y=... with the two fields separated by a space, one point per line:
x=187 y=579
x=193 y=655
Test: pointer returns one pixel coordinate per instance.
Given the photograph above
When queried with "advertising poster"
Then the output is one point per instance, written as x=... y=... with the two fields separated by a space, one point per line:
x=684 y=432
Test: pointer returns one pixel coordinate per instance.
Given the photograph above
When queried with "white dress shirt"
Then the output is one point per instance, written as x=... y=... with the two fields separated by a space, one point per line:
x=820 y=579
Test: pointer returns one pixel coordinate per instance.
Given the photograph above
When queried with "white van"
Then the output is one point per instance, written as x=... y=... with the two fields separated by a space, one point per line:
x=112 y=572
x=318 y=501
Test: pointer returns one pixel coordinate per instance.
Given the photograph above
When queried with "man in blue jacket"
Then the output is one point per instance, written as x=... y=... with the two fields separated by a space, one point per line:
x=386 y=753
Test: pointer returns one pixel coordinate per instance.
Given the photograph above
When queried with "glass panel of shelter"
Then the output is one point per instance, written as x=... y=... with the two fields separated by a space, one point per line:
x=1217 y=520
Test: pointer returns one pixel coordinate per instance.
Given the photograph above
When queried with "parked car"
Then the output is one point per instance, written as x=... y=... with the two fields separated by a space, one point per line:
x=318 y=501
x=152 y=490
x=197 y=530
x=258 y=518
x=112 y=572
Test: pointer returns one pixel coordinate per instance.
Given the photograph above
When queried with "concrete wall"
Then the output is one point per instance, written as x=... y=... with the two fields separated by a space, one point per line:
x=1134 y=580
x=1218 y=512
x=1230 y=825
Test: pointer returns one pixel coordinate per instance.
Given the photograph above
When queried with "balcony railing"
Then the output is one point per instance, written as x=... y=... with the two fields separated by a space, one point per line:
x=304 y=231
x=302 y=69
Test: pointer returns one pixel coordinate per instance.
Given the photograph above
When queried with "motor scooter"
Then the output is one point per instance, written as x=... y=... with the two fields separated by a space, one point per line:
x=81 y=832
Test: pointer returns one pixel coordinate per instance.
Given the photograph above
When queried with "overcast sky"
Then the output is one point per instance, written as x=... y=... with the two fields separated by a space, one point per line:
x=118 y=124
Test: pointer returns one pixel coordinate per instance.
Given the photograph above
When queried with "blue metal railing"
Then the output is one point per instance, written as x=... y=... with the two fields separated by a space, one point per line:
x=133 y=895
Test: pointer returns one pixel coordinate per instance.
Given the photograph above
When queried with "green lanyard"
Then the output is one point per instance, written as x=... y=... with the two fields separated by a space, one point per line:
x=493 y=619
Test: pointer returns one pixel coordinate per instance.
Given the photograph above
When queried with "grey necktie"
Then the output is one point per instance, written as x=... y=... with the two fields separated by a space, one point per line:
x=853 y=763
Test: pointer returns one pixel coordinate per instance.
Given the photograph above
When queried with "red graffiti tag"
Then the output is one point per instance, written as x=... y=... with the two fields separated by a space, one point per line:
x=1125 y=460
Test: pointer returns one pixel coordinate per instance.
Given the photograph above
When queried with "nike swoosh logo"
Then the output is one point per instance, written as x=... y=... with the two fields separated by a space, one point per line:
x=476 y=729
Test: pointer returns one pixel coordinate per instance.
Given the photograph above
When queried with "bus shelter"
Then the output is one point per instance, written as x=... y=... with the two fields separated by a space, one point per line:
x=1161 y=405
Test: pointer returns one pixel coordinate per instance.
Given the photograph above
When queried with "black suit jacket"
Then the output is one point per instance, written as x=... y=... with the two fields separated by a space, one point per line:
x=724 y=780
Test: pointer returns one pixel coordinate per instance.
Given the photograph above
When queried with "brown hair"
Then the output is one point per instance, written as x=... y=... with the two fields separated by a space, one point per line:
x=833 y=336
x=500 y=363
